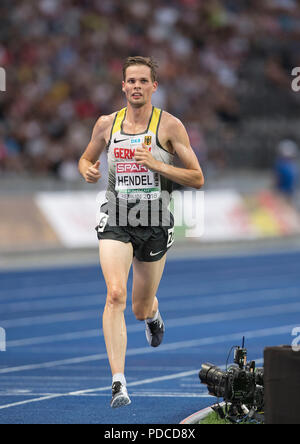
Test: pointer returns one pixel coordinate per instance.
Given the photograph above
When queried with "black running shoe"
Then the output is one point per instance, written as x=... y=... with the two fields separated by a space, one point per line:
x=119 y=395
x=155 y=331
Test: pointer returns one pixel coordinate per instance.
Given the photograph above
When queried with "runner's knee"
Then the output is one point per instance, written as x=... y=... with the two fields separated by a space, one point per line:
x=116 y=298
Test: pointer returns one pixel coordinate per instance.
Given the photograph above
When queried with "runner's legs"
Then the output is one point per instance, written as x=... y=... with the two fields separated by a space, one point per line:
x=146 y=280
x=115 y=259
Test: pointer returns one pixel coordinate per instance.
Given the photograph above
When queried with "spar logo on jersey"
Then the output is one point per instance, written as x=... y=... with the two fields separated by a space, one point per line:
x=130 y=168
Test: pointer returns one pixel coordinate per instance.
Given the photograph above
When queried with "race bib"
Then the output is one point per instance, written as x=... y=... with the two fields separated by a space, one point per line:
x=136 y=182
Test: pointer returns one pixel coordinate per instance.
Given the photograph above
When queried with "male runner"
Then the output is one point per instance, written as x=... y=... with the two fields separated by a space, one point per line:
x=141 y=141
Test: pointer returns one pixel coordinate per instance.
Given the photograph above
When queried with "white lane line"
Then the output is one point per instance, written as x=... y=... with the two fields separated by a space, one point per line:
x=132 y=394
x=49 y=319
x=157 y=395
x=30 y=401
x=50 y=364
x=256 y=312
x=38 y=291
x=102 y=389
x=53 y=304
x=72 y=336
x=164 y=347
x=95 y=333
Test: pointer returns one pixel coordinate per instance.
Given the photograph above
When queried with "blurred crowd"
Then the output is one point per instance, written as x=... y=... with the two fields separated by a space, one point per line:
x=63 y=62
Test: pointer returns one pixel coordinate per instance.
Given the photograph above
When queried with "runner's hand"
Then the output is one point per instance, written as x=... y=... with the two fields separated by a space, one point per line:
x=144 y=157
x=92 y=174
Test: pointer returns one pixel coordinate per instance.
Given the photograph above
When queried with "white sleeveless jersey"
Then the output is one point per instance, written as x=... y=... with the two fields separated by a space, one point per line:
x=128 y=180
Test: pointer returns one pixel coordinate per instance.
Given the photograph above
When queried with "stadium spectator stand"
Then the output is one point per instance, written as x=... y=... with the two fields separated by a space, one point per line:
x=225 y=70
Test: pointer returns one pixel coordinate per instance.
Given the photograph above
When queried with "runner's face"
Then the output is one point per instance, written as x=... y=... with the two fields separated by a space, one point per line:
x=138 y=86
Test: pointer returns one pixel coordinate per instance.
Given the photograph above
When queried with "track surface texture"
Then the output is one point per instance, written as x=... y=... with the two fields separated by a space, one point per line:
x=55 y=369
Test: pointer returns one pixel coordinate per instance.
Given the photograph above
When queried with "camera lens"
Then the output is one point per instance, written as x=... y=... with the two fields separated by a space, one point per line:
x=207 y=373
x=214 y=378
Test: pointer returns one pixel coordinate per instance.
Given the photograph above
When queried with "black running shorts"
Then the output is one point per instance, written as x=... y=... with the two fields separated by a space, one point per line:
x=149 y=243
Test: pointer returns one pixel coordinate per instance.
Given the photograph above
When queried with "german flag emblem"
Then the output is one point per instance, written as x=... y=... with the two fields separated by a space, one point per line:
x=148 y=140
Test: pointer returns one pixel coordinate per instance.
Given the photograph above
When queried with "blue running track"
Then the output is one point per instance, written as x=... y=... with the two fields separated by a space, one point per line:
x=55 y=370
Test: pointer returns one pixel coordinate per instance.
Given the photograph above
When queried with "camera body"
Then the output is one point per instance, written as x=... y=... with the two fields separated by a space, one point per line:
x=235 y=385
x=242 y=384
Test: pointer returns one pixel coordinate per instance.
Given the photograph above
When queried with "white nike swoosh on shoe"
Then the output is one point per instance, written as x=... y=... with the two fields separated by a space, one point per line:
x=155 y=254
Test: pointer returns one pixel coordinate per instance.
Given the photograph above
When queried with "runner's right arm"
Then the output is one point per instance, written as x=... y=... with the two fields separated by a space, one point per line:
x=89 y=162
